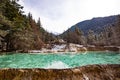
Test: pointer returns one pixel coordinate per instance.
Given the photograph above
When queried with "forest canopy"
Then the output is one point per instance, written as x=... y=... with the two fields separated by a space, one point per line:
x=19 y=31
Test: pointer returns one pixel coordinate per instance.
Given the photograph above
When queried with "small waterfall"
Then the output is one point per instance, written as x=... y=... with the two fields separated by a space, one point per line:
x=57 y=65
x=119 y=49
x=85 y=77
x=85 y=50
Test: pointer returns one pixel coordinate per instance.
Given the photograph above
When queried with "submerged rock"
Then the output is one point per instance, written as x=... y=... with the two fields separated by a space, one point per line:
x=90 y=72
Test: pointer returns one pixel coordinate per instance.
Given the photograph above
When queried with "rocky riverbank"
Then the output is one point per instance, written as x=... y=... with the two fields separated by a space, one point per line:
x=90 y=72
x=74 y=48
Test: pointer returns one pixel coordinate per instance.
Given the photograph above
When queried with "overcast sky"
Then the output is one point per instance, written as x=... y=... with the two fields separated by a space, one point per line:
x=59 y=15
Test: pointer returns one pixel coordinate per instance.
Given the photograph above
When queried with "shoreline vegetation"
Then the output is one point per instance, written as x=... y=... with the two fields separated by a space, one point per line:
x=69 y=48
x=74 y=48
x=22 y=33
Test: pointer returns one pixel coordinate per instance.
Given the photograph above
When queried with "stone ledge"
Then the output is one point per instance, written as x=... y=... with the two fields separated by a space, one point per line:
x=89 y=72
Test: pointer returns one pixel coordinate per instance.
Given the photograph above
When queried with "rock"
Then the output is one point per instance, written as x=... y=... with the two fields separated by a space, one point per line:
x=90 y=72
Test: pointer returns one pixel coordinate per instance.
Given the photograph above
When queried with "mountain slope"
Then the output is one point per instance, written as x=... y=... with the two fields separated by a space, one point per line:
x=95 y=24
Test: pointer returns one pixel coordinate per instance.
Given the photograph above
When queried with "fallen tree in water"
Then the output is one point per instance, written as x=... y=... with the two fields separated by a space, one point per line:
x=90 y=72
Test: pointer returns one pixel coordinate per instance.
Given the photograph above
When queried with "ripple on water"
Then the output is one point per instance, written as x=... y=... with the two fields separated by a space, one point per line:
x=58 y=60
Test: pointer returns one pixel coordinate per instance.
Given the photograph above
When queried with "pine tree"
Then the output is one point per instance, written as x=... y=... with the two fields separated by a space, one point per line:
x=21 y=32
x=78 y=31
x=91 y=37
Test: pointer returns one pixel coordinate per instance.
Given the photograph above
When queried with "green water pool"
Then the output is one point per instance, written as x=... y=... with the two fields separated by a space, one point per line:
x=59 y=61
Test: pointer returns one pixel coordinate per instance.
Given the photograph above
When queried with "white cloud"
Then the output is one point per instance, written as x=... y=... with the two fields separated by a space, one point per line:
x=58 y=15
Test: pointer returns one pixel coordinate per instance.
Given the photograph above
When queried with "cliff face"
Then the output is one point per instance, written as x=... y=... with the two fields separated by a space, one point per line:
x=90 y=72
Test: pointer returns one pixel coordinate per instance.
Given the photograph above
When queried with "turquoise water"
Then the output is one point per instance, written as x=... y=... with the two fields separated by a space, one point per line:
x=58 y=61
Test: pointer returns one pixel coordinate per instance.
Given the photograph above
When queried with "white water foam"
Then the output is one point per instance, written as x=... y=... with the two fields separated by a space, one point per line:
x=57 y=65
x=85 y=77
x=85 y=50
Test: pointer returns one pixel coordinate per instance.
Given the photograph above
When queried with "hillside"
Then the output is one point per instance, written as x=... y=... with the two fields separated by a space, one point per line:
x=95 y=24
x=19 y=32
x=97 y=31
